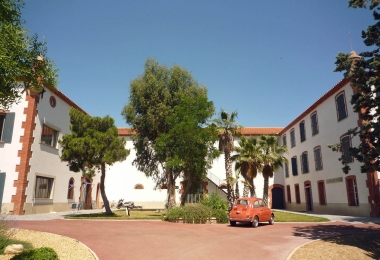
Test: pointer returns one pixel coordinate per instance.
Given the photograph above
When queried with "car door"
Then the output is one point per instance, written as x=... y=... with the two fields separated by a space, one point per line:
x=265 y=212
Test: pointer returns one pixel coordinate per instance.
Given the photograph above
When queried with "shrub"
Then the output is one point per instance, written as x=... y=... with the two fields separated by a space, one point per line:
x=174 y=213
x=7 y=229
x=220 y=215
x=43 y=253
x=213 y=201
x=190 y=213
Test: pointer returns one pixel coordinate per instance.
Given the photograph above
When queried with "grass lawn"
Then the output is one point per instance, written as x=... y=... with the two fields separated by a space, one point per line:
x=280 y=216
x=151 y=214
x=120 y=214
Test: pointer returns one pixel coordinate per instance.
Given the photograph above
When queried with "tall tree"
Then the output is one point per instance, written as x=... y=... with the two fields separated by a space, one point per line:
x=248 y=159
x=169 y=140
x=228 y=128
x=272 y=159
x=93 y=143
x=363 y=72
x=190 y=141
x=23 y=59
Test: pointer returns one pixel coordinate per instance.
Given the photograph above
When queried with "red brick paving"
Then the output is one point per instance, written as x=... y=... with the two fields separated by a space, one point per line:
x=113 y=240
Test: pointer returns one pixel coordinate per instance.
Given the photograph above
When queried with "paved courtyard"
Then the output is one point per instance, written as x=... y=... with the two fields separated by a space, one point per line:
x=163 y=240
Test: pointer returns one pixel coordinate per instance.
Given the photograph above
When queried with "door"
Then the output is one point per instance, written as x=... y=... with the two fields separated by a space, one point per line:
x=309 y=200
x=278 y=198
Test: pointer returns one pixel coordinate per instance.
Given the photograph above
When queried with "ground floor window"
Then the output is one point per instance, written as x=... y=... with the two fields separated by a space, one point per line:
x=352 y=191
x=288 y=194
x=321 y=193
x=297 y=190
x=44 y=187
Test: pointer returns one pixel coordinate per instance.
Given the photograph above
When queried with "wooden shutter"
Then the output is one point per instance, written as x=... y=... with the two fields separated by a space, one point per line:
x=341 y=106
x=305 y=163
x=8 y=127
x=2 y=184
x=294 y=166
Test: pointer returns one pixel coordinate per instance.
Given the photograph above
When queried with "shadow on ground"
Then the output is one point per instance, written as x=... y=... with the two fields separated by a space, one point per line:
x=365 y=238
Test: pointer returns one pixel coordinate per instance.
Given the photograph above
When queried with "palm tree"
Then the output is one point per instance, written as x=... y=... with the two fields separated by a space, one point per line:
x=272 y=159
x=248 y=162
x=228 y=128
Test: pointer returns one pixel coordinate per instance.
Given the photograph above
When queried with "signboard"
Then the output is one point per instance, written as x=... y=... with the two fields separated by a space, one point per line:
x=334 y=180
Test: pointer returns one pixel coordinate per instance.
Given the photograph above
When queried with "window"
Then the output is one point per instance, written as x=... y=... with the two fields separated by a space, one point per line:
x=139 y=187
x=352 y=191
x=286 y=166
x=44 y=187
x=304 y=163
x=294 y=166
x=6 y=127
x=297 y=190
x=302 y=131
x=314 y=124
x=321 y=193
x=318 y=158
x=284 y=140
x=49 y=136
x=70 y=189
x=346 y=145
x=341 y=109
x=288 y=194
x=292 y=138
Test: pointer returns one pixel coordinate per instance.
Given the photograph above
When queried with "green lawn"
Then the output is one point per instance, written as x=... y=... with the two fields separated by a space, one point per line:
x=150 y=214
x=293 y=217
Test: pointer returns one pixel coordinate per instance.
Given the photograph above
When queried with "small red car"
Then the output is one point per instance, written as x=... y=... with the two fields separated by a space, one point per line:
x=250 y=210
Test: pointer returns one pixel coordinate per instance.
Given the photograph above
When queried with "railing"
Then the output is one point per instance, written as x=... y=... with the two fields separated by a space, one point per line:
x=193 y=198
x=214 y=179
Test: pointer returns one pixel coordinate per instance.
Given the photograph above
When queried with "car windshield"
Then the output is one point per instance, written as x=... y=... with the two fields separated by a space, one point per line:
x=242 y=202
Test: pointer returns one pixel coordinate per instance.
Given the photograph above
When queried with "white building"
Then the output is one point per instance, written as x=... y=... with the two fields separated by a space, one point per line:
x=33 y=179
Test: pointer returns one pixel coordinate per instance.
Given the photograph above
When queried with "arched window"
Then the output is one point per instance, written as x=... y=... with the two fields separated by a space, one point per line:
x=139 y=187
x=223 y=186
x=70 y=189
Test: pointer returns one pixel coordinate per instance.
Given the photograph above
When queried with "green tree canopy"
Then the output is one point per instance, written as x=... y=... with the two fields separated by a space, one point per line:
x=23 y=59
x=93 y=143
x=168 y=111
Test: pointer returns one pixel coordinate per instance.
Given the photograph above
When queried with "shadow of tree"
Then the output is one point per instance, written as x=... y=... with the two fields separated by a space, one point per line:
x=366 y=238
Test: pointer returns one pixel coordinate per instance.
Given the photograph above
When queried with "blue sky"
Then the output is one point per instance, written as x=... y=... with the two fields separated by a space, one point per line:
x=269 y=60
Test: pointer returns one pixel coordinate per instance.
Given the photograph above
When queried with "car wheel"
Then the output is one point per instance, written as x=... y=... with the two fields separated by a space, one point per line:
x=255 y=222
x=233 y=223
x=271 y=220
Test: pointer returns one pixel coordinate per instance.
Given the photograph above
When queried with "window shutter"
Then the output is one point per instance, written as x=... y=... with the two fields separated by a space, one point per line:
x=341 y=107
x=2 y=184
x=314 y=124
x=8 y=127
x=294 y=166
x=305 y=166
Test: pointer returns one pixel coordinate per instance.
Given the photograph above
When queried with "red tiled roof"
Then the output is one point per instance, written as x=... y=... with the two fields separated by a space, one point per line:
x=322 y=99
x=261 y=130
x=245 y=131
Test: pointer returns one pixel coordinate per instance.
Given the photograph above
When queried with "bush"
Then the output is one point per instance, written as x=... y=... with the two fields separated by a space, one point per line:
x=213 y=201
x=190 y=213
x=4 y=242
x=43 y=253
x=220 y=215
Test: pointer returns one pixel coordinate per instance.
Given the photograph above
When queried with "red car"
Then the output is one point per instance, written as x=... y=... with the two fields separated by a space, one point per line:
x=250 y=210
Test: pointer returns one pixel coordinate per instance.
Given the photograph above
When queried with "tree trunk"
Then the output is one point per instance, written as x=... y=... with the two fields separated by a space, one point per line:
x=102 y=190
x=252 y=189
x=185 y=192
x=170 y=203
x=237 y=191
x=265 y=193
x=245 y=190
x=228 y=166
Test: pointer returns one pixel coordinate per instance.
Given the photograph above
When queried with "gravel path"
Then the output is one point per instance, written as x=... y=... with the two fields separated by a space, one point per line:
x=66 y=248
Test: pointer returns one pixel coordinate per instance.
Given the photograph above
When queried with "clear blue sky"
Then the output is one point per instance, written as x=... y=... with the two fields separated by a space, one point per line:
x=269 y=60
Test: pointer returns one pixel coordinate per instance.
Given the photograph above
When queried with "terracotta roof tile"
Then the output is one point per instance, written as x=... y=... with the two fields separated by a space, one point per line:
x=123 y=131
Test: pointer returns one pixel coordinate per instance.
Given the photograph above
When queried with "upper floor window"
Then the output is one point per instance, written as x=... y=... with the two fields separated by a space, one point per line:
x=346 y=145
x=6 y=127
x=49 y=136
x=341 y=108
x=284 y=140
x=139 y=186
x=292 y=138
x=286 y=170
x=314 y=123
x=294 y=166
x=302 y=131
x=318 y=158
x=305 y=163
